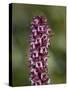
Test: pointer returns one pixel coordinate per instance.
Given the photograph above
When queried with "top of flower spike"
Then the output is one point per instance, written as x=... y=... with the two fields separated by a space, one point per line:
x=39 y=20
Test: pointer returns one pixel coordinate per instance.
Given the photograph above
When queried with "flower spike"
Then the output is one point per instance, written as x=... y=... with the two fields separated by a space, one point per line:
x=39 y=44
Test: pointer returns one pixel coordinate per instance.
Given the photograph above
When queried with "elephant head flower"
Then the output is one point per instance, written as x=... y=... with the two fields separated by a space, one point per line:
x=39 y=44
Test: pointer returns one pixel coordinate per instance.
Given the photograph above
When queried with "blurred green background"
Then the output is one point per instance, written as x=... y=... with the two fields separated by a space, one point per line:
x=22 y=15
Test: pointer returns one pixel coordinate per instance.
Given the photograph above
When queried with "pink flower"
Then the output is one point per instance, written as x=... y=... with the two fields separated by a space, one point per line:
x=39 y=44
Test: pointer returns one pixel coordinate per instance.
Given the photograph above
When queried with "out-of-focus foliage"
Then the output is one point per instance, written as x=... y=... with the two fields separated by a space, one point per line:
x=22 y=15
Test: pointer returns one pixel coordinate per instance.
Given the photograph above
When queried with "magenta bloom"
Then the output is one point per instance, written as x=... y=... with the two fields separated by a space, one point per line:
x=39 y=43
